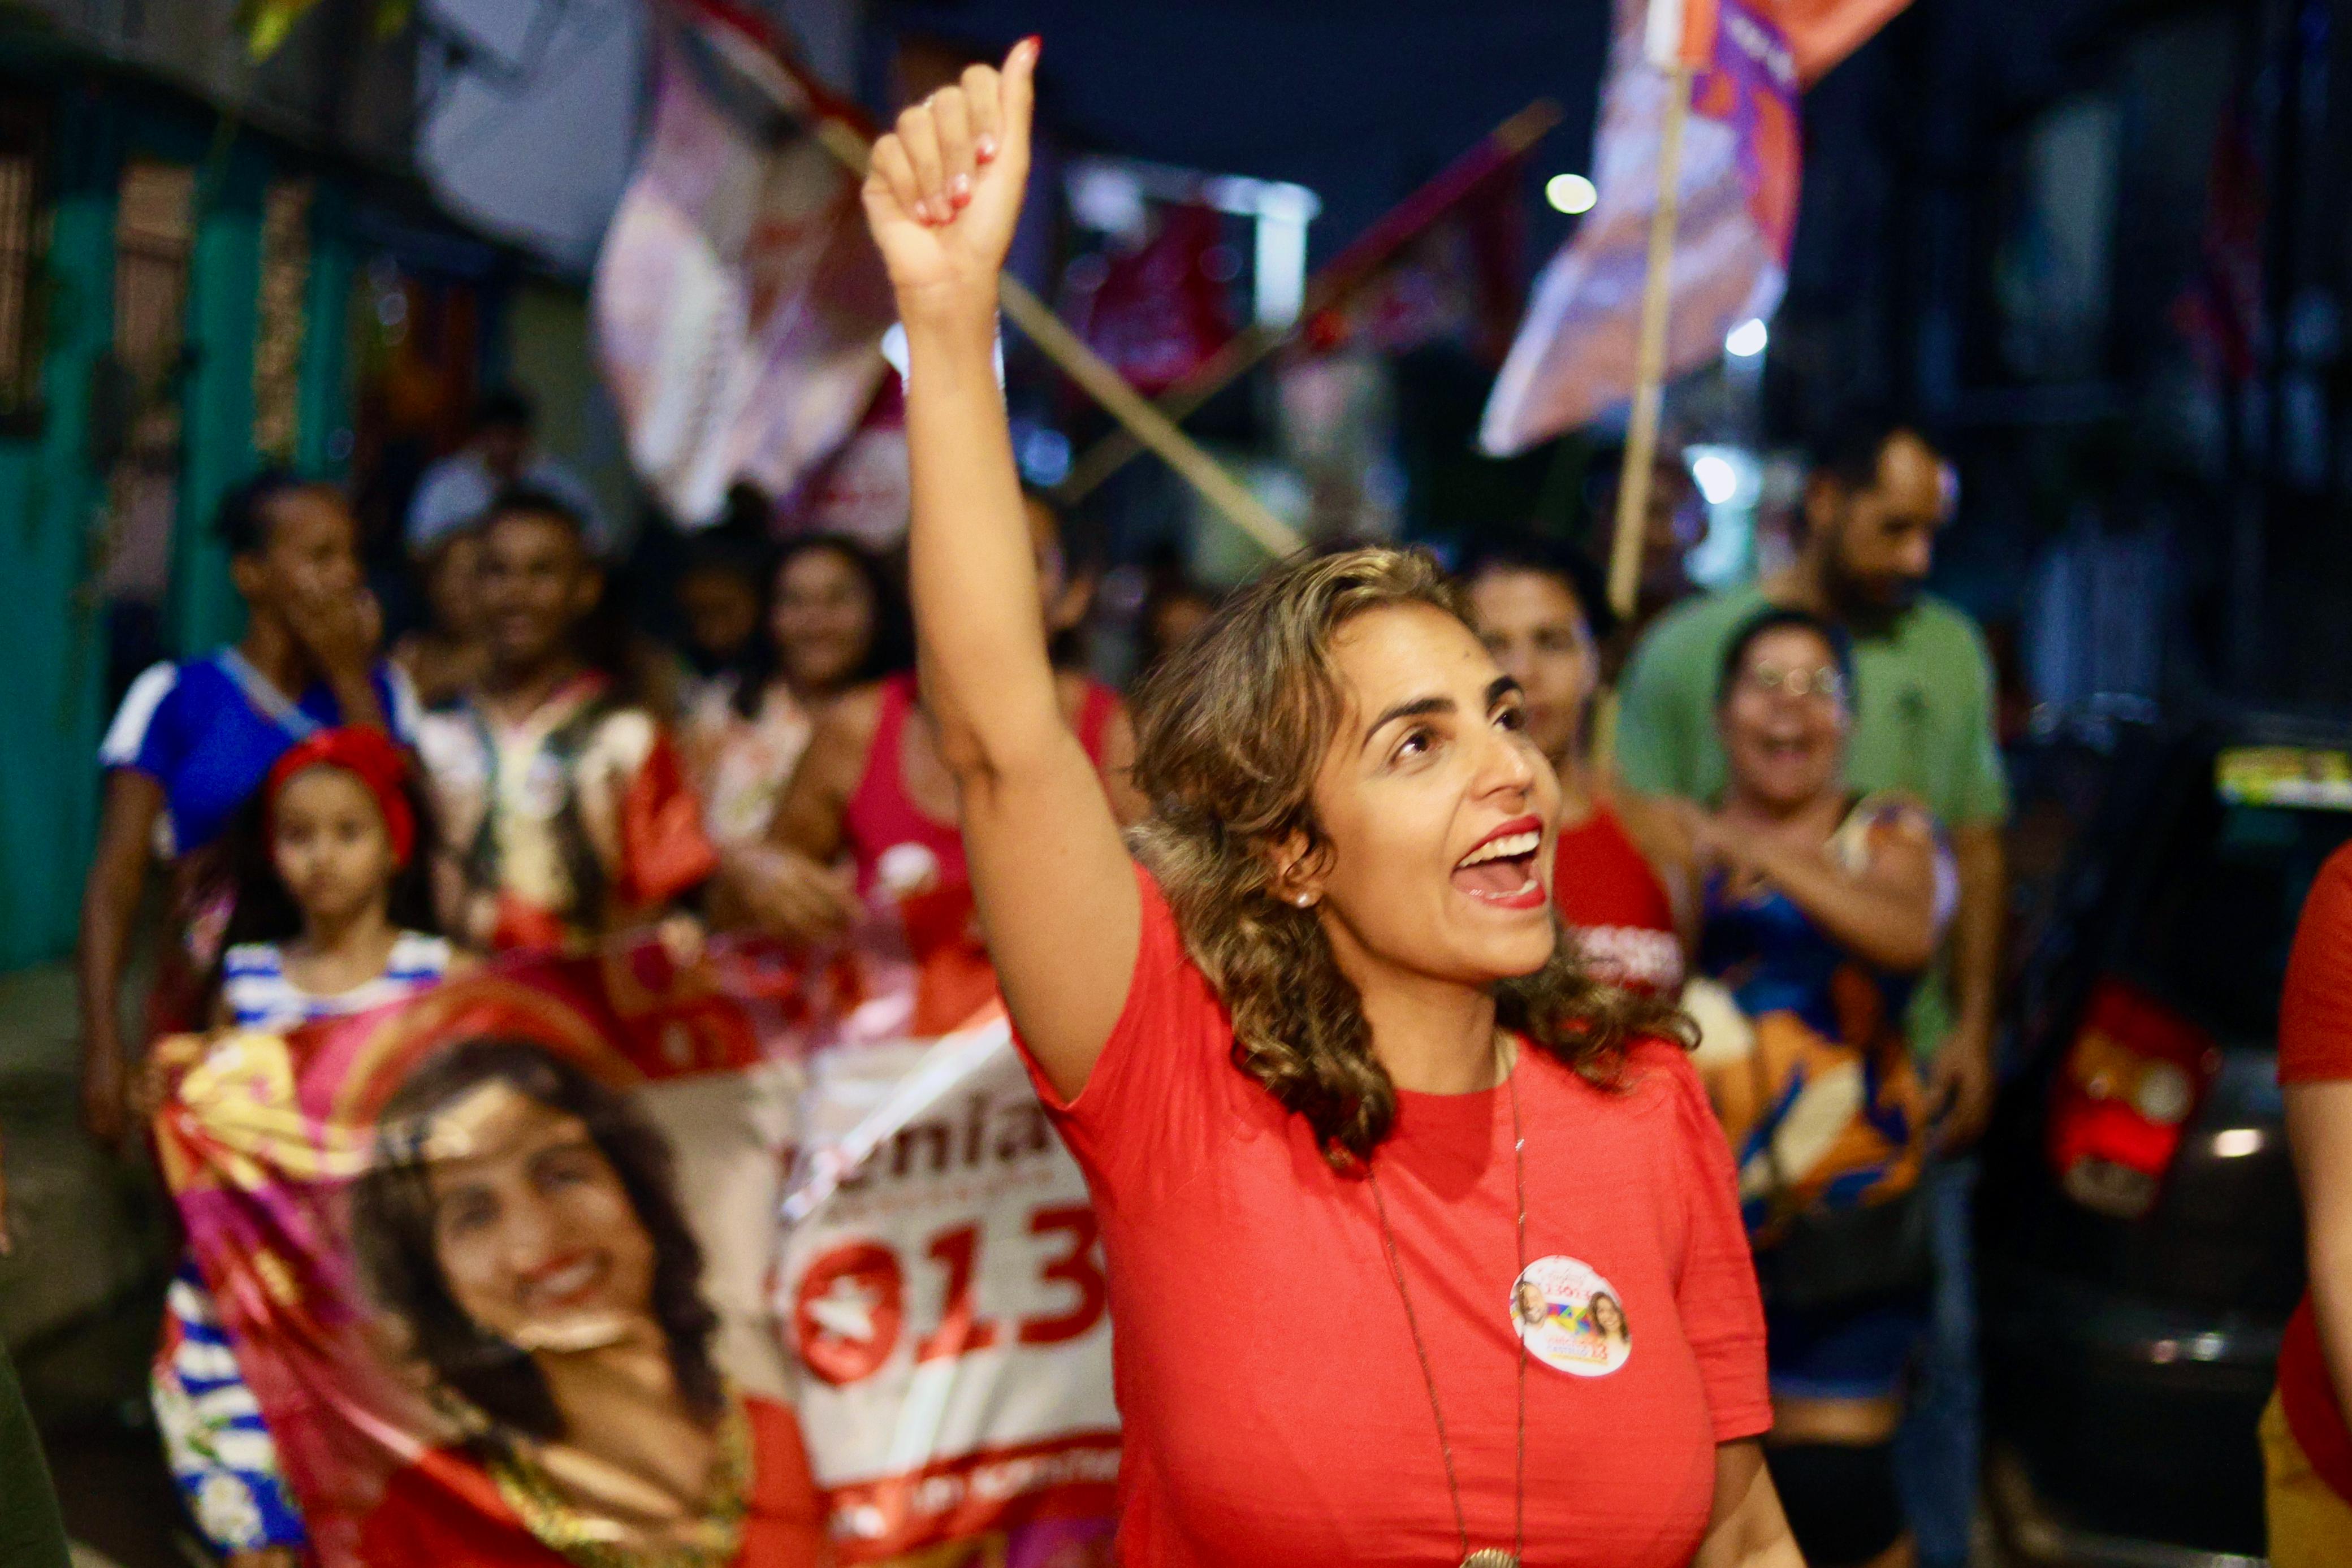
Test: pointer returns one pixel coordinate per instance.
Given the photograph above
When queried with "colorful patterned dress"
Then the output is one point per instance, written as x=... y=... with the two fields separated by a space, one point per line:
x=1820 y=1097
x=220 y=1450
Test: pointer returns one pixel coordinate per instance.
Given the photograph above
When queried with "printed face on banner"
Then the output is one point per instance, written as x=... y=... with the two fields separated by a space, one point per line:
x=518 y=1235
x=503 y=1272
x=467 y=1282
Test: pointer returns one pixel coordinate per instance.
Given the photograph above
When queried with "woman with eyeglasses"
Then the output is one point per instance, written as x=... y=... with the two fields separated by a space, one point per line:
x=1819 y=908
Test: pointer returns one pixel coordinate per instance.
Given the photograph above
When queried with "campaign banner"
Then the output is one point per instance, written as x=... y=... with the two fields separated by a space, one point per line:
x=942 y=1290
x=1575 y=357
x=649 y=1256
x=739 y=304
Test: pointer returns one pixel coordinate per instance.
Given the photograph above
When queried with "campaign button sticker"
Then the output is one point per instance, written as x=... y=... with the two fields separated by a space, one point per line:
x=1570 y=1318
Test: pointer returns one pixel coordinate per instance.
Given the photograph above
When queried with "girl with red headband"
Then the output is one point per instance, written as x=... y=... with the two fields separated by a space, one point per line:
x=333 y=917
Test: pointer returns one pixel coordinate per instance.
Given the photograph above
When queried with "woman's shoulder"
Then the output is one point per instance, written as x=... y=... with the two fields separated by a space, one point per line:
x=1663 y=1066
x=1653 y=1072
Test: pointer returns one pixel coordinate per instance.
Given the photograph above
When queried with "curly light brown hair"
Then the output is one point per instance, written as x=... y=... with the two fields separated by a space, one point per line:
x=1230 y=732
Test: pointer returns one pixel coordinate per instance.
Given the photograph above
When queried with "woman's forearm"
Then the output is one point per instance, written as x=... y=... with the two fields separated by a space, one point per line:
x=1747 y=1529
x=1884 y=927
x=987 y=682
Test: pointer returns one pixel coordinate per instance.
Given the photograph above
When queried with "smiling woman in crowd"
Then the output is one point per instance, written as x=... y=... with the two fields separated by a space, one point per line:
x=1818 y=909
x=1324 y=1044
x=834 y=621
x=520 y=1225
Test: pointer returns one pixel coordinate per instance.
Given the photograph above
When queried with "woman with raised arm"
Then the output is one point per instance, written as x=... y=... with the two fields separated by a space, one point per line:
x=1364 y=1143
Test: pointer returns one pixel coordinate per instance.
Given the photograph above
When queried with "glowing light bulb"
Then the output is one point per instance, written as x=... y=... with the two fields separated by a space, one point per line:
x=1570 y=194
x=1747 y=339
x=1719 y=481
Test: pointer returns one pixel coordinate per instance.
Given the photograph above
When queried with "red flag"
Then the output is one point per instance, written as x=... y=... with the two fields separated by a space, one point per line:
x=1157 y=312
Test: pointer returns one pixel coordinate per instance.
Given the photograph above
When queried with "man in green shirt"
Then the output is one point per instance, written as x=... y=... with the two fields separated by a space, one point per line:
x=1923 y=724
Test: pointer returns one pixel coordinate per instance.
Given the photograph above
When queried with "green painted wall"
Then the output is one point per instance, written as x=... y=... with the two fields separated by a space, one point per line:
x=52 y=674
x=216 y=407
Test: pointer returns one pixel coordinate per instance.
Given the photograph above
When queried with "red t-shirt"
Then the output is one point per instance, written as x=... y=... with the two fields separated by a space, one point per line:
x=444 y=1510
x=2315 y=1047
x=1274 y=1406
x=1615 y=906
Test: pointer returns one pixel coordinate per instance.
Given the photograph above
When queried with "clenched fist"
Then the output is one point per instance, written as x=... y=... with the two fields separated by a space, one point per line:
x=945 y=190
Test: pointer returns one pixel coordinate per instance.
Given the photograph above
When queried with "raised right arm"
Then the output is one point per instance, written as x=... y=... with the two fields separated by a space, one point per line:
x=1056 y=894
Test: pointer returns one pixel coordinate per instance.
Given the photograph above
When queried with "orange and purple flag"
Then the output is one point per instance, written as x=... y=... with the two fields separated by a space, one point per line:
x=1574 y=358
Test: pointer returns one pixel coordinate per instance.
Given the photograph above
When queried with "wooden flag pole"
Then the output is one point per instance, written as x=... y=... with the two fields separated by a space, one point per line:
x=1098 y=380
x=1649 y=365
x=1147 y=423
x=1247 y=349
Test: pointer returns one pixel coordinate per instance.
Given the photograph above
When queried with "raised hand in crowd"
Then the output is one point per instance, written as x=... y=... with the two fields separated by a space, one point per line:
x=340 y=633
x=946 y=188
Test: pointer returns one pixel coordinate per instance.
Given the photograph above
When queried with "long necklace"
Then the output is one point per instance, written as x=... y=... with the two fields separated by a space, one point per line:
x=1485 y=1556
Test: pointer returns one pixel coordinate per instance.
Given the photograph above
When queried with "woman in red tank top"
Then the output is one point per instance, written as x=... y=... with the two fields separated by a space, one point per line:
x=873 y=788
x=1542 y=613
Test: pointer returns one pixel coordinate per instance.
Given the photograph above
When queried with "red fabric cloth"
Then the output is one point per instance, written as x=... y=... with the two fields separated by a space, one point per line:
x=2315 y=1047
x=371 y=756
x=1616 y=906
x=1273 y=1404
x=444 y=1510
x=664 y=851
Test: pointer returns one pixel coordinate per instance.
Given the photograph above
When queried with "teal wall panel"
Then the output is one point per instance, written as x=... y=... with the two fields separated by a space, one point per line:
x=223 y=311
x=51 y=673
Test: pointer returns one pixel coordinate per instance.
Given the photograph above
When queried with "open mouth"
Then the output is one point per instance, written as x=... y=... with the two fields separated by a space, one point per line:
x=1502 y=869
x=570 y=1283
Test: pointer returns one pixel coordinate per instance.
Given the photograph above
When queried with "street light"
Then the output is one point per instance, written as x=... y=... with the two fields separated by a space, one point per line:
x=1570 y=194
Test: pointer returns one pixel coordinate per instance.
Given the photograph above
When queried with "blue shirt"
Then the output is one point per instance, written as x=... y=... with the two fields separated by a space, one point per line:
x=210 y=729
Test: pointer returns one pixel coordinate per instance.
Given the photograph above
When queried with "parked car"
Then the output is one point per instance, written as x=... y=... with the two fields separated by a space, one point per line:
x=2140 y=1233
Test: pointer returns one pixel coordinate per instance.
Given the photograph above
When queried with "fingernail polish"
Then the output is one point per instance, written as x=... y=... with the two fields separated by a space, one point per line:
x=985 y=149
x=922 y=212
x=1035 y=44
x=960 y=190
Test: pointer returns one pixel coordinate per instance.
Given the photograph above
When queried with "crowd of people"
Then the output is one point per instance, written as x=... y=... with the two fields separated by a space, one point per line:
x=1529 y=1030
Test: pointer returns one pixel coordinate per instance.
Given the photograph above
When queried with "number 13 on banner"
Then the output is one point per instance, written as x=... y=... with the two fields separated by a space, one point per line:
x=850 y=1313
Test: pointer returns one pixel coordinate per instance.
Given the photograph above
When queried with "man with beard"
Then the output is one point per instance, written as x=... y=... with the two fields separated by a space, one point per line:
x=1923 y=725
